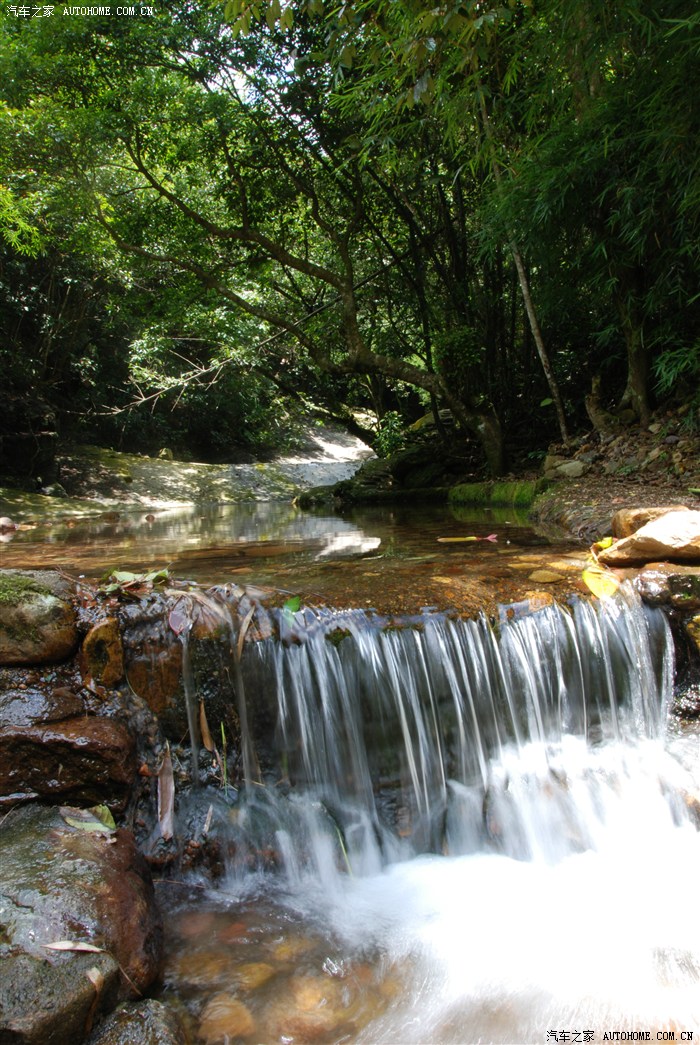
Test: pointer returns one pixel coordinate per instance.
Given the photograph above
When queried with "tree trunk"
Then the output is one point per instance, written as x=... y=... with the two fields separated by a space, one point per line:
x=539 y=341
x=524 y=282
x=636 y=393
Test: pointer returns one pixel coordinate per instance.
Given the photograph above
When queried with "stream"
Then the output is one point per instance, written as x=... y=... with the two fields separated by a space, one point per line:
x=465 y=828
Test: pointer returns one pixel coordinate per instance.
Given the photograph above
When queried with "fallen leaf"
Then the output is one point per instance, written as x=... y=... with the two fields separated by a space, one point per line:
x=602 y=583
x=88 y=820
x=204 y=728
x=73 y=945
x=166 y=796
x=96 y=978
x=104 y=815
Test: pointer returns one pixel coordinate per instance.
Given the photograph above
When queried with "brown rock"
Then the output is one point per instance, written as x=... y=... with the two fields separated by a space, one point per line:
x=673 y=536
x=102 y=657
x=155 y=674
x=77 y=759
x=66 y=881
x=545 y=577
x=671 y=584
x=225 y=1018
x=627 y=521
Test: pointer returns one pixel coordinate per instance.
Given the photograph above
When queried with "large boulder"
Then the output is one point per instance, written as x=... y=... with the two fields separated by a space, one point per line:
x=674 y=536
x=70 y=880
x=627 y=521
x=37 y=618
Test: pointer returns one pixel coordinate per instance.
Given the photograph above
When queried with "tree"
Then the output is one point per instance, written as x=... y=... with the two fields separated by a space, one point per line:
x=282 y=196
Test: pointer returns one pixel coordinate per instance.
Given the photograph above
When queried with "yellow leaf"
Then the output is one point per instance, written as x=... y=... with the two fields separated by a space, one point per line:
x=600 y=582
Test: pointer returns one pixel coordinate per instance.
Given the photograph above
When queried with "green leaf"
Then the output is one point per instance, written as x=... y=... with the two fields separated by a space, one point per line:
x=104 y=815
x=292 y=605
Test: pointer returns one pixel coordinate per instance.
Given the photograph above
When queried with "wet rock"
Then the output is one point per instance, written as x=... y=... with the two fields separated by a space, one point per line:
x=627 y=521
x=7 y=525
x=37 y=619
x=692 y=628
x=312 y=1008
x=23 y=707
x=251 y=975
x=83 y=884
x=54 y=1000
x=101 y=656
x=225 y=1018
x=668 y=584
x=673 y=536
x=153 y=665
x=545 y=577
x=70 y=759
x=145 y=1023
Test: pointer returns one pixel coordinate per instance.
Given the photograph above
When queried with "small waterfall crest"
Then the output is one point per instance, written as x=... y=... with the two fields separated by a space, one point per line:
x=392 y=740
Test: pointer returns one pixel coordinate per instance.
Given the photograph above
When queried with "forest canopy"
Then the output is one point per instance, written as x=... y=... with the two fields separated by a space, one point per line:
x=223 y=216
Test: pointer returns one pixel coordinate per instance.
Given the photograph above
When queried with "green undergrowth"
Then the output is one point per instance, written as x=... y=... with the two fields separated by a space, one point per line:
x=520 y=493
x=16 y=586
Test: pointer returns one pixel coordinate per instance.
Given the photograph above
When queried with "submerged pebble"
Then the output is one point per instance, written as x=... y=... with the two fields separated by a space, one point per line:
x=225 y=1018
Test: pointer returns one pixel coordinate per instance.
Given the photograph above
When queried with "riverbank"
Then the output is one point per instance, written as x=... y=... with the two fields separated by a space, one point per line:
x=93 y=480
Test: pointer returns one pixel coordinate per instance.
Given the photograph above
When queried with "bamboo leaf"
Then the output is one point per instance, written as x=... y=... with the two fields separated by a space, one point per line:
x=166 y=796
x=204 y=728
x=74 y=945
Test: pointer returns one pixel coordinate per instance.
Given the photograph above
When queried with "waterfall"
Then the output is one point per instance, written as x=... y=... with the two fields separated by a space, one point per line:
x=406 y=739
x=478 y=830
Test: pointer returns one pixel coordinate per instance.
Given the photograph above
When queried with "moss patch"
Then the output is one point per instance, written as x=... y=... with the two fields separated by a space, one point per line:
x=16 y=586
x=521 y=493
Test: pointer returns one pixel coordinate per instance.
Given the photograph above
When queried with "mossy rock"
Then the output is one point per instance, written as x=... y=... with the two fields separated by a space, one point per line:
x=37 y=618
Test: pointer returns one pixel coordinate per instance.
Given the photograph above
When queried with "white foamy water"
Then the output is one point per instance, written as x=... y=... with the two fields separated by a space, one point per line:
x=597 y=931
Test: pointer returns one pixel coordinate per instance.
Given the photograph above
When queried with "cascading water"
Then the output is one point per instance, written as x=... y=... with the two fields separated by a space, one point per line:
x=463 y=836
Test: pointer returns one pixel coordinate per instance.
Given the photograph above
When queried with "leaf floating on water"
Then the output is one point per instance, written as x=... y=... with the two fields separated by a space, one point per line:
x=493 y=537
x=166 y=796
x=73 y=945
x=602 y=583
x=455 y=540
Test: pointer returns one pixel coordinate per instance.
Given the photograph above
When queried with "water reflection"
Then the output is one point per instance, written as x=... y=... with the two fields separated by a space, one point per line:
x=198 y=539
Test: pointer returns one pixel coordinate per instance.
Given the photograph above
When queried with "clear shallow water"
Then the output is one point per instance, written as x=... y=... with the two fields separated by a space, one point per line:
x=385 y=557
x=493 y=872
x=208 y=542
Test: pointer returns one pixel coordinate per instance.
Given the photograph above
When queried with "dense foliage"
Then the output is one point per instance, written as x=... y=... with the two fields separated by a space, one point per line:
x=217 y=218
